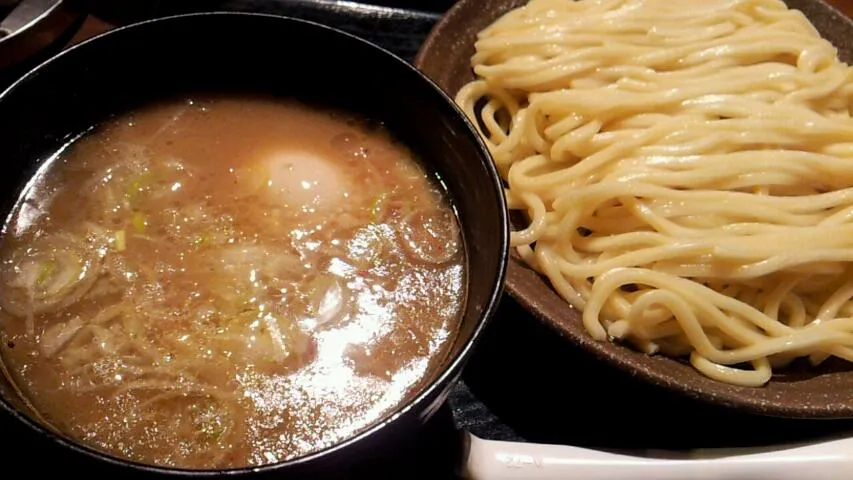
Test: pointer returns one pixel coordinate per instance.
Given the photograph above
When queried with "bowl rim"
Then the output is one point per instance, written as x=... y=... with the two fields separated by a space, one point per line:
x=526 y=286
x=446 y=374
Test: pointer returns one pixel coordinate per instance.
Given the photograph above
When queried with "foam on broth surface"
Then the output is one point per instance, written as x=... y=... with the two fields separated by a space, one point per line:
x=227 y=281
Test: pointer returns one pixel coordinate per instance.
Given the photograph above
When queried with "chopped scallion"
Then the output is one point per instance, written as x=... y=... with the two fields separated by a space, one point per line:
x=120 y=240
x=138 y=186
x=378 y=206
x=46 y=270
x=139 y=221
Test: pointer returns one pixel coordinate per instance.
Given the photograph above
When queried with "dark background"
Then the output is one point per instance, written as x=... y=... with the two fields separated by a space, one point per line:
x=524 y=383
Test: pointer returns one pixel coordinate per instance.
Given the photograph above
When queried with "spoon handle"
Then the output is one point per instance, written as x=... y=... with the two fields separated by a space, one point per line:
x=495 y=460
x=24 y=13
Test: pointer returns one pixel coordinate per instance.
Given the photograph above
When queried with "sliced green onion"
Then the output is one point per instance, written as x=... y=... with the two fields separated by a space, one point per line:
x=139 y=221
x=46 y=270
x=120 y=240
x=213 y=430
x=207 y=421
x=52 y=276
x=377 y=207
x=138 y=186
x=203 y=239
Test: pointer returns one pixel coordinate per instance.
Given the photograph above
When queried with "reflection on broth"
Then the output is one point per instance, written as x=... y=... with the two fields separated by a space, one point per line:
x=227 y=282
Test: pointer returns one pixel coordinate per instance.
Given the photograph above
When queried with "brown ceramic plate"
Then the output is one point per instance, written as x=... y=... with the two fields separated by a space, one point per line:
x=826 y=392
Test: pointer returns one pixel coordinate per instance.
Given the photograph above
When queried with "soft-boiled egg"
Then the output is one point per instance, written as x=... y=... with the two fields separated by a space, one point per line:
x=302 y=180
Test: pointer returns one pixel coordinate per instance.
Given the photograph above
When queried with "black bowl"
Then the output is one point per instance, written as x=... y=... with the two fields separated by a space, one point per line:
x=230 y=52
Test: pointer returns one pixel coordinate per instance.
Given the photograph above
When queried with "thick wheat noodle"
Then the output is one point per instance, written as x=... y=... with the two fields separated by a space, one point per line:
x=686 y=170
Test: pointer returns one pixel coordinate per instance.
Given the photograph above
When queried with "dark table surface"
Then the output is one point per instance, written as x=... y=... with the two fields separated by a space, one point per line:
x=523 y=383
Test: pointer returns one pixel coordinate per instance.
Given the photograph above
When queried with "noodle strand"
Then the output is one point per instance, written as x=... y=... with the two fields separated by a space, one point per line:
x=686 y=171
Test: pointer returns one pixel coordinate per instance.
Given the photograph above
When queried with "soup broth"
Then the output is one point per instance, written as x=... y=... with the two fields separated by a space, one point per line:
x=227 y=282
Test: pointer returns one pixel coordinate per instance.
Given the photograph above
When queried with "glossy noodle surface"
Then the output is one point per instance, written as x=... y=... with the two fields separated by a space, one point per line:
x=228 y=281
x=684 y=171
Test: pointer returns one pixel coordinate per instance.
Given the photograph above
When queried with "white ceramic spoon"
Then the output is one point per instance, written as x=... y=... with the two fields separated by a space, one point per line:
x=494 y=460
